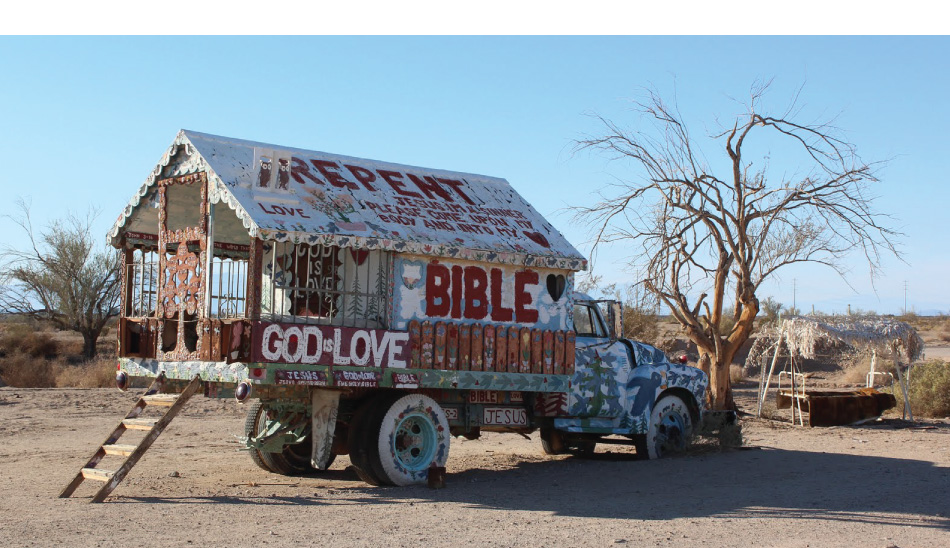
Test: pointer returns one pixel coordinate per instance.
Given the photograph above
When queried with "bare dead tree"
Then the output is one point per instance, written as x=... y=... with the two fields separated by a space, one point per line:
x=60 y=277
x=712 y=236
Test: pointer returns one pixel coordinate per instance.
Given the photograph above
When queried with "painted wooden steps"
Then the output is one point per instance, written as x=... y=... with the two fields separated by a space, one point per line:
x=132 y=453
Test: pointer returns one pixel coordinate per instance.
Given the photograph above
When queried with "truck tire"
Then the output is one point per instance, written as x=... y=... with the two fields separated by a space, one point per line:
x=551 y=441
x=582 y=449
x=413 y=435
x=251 y=428
x=670 y=431
x=292 y=461
x=364 y=439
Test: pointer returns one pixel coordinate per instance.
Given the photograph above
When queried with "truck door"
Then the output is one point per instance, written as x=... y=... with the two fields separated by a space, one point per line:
x=601 y=369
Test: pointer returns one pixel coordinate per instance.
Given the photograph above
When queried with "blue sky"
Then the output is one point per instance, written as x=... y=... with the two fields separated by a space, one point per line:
x=84 y=120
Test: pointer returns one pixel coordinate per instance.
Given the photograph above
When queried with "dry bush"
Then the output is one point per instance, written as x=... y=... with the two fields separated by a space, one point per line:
x=71 y=347
x=855 y=371
x=670 y=345
x=735 y=374
x=929 y=390
x=943 y=331
x=92 y=374
x=856 y=368
x=20 y=338
x=25 y=371
x=769 y=411
x=641 y=325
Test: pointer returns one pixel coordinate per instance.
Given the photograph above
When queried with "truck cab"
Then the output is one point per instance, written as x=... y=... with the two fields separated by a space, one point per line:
x=623 y=388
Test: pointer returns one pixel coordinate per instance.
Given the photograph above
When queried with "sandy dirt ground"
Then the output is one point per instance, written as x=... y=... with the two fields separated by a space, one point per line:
x=883 y=484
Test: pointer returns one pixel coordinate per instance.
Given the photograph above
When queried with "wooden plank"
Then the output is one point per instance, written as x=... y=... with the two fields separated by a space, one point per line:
x=524 y=359
x=139 y=424
x=465 y=347
x=452 y=347
x=478 y=348
x=415 y=345
x=548 y=352
x=537 y=352
x=514 y=349
x=569 y=343
x=216 y=335
x=488 y=348
x=559 y=353
x=501 y=348
x=161 y=400
x=97 y=474
x=120 y=450
x=438 y=354
x=427 y=344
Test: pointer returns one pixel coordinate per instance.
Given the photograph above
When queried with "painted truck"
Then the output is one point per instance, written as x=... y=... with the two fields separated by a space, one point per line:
x=377 y=310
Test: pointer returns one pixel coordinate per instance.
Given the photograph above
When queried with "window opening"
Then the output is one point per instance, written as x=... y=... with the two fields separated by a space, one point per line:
x=587 y=322
x=325 y=284
x=229 y=286
x=142 y=274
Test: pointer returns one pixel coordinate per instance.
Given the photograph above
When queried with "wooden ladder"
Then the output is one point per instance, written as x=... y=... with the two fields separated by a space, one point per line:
x=154 y=428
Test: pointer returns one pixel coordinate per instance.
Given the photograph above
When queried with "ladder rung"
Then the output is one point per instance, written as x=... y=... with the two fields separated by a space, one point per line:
x=121 y=450
x=97 y=474
x=166 y=400
x=139 y=424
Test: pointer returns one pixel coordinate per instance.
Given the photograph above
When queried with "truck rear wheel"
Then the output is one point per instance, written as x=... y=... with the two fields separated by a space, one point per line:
x=291 y=461
x=414 y=435
x=670 y=431
x=364 y=438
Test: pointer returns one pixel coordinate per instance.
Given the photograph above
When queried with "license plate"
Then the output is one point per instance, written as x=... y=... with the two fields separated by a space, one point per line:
x=483 y=396
x=504 y=416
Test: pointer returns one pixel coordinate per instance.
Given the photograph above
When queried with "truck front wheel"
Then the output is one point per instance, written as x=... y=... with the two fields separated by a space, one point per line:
x=670 y=431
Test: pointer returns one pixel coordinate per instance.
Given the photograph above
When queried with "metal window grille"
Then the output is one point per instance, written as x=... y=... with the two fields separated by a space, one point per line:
x=325 y=284
x=142 y=275
x=228 y=287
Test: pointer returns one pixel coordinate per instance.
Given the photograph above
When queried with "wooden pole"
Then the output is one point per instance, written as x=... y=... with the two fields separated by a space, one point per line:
x=907 y=413
x=763 y=391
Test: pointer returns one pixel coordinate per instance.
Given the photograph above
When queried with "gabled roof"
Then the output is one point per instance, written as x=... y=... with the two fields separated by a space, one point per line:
x=288 y=194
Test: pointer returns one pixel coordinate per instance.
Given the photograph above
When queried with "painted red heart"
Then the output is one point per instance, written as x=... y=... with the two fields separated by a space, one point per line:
x=359 y=255
x=537 y=238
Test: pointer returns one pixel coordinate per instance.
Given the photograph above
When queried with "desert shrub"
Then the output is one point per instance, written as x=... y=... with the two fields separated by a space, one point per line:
x=25 y=371
x=929 y=390
x=21 y=338
x=943 y=331
x=71 y=347
x=856 y=372
x=91 y=374
x=735 y=374
x=641 y=325
x=672 y=346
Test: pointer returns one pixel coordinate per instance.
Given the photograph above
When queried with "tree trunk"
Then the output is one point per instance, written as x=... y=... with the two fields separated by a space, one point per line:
x=719 y=395
x=720 y=387
x=89 y=340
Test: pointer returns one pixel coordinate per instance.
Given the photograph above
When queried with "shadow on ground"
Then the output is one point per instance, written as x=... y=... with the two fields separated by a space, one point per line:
x=766 y=483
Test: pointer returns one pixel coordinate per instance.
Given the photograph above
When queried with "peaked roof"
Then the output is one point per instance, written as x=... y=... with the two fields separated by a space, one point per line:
x=288 y=194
